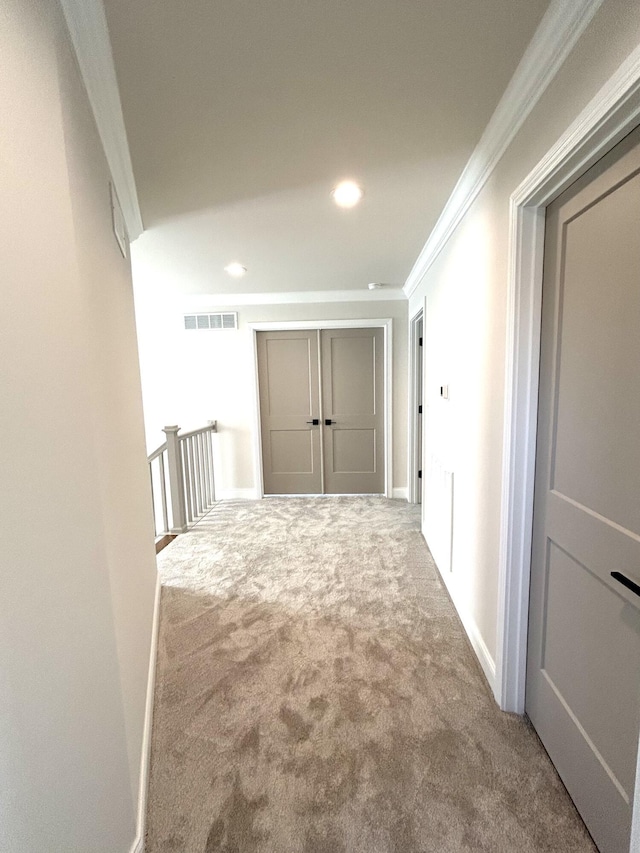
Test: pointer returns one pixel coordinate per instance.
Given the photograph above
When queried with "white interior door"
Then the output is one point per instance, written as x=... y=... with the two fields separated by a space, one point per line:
x=583 y=669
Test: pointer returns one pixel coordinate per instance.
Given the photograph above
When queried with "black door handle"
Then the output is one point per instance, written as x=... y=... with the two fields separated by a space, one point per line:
x=315 y=421
x=625 y=581
x=328 y=422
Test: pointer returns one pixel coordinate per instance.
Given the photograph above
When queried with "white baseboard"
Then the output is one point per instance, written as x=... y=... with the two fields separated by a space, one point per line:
x=237 y=495
x=472 y=631
x=138 y=844
x=482 y=652
x=252 y=494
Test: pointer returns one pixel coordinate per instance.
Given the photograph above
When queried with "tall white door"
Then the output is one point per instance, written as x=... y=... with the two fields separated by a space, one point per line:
x=583 y=677
x=322 y=411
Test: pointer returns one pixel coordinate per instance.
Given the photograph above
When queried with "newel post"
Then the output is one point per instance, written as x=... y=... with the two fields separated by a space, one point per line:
x=214 y=428
x=176 y=480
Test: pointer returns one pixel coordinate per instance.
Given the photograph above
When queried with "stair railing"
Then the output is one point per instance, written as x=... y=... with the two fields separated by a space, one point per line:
x=182 y=480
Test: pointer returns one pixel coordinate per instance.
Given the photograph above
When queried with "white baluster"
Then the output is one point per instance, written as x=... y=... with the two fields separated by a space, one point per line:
x=163 y=493
x=185 y=471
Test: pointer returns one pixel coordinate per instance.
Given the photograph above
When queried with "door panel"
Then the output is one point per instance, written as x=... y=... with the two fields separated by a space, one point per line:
x=290 y=381
x=571 y=588
x=291 y=451
x=352 y=381
x=597 y=458
x=288 y=377
x=583 y=671
x=353 y=399
x=354 y=450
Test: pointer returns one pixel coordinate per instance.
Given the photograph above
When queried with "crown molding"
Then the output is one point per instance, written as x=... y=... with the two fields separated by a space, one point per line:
x=89 y=33
x=560 y=28
x=204 y=301
x=594 y=132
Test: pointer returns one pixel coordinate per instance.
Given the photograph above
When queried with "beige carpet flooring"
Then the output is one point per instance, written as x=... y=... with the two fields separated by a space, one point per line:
x=317 y=694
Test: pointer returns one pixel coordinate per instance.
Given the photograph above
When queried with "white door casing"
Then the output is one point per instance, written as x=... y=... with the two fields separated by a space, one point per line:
x=414 y=484
x=387 y=326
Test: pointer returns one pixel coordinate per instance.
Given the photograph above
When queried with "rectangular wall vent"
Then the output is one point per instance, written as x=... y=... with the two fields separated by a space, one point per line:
x=228 y=320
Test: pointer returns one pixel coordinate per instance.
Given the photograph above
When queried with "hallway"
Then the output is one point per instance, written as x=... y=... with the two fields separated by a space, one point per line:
x=316 y=694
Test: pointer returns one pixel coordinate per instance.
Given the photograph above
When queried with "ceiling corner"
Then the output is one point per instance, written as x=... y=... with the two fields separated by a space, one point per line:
x=560 y=28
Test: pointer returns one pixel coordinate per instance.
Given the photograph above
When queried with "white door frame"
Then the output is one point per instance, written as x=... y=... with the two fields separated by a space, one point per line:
x=610 y=116
x=296 y=325
x=413 y=481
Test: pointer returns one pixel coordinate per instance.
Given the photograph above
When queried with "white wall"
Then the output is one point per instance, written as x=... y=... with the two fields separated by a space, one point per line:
x=465 y=292
x=78 y=571
x=191 y=377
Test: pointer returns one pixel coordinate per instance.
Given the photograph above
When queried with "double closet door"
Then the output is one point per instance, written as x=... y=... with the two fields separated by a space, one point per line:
x=322 y=411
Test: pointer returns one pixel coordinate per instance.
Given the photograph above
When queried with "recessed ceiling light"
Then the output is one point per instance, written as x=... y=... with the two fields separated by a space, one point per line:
x=347 y=194
x=235 y=269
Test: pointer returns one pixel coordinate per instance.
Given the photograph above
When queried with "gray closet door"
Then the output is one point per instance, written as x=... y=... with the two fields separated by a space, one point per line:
x=583 y=676
x=353 y=401
x=345 y=456
x=288 y=377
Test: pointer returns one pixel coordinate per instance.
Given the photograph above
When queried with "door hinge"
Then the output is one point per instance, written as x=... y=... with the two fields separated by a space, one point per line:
x=420 y=474
x=420 y=344
x=420 y=410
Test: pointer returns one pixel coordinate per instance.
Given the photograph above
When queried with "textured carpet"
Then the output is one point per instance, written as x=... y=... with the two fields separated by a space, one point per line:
x=316 y=694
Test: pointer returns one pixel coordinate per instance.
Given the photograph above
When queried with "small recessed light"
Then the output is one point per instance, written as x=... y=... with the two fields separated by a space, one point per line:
x=347 y=194
x=235 y=269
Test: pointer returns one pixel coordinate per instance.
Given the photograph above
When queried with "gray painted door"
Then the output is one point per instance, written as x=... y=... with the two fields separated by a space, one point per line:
x=345 y=456
x=583 y=675
x=353 y=400
x=288 y=377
